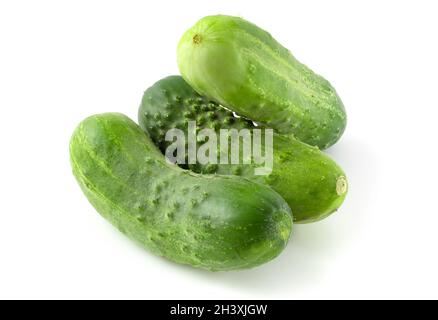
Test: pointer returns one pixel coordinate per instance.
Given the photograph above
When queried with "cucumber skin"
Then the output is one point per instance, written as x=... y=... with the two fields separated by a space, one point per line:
x=303 y=175
x=245 y=69
x=211 y=222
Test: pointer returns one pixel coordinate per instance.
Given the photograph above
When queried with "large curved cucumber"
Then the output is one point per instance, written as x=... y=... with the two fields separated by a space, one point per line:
x=211 y=222
x=312 y=184
x=245 y=69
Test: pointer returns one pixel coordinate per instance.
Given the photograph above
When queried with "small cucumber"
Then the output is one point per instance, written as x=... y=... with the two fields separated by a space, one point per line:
x=311 y=183
x=210 y=222
x=245 y=69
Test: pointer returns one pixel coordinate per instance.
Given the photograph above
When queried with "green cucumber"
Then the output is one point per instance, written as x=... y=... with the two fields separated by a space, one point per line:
x=211 y=222
x=311 y=183
x=245 y=69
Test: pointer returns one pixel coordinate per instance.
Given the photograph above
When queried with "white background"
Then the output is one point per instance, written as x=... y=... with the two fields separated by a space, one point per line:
x=61 y=61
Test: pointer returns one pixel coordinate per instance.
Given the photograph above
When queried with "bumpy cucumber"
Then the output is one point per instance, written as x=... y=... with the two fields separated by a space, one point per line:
x=245 y=69
x=311 y=183
x=211 y=222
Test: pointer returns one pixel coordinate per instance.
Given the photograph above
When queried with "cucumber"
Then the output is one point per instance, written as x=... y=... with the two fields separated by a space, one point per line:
x=312 y=184
x=211 y=222
x=245 y=69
